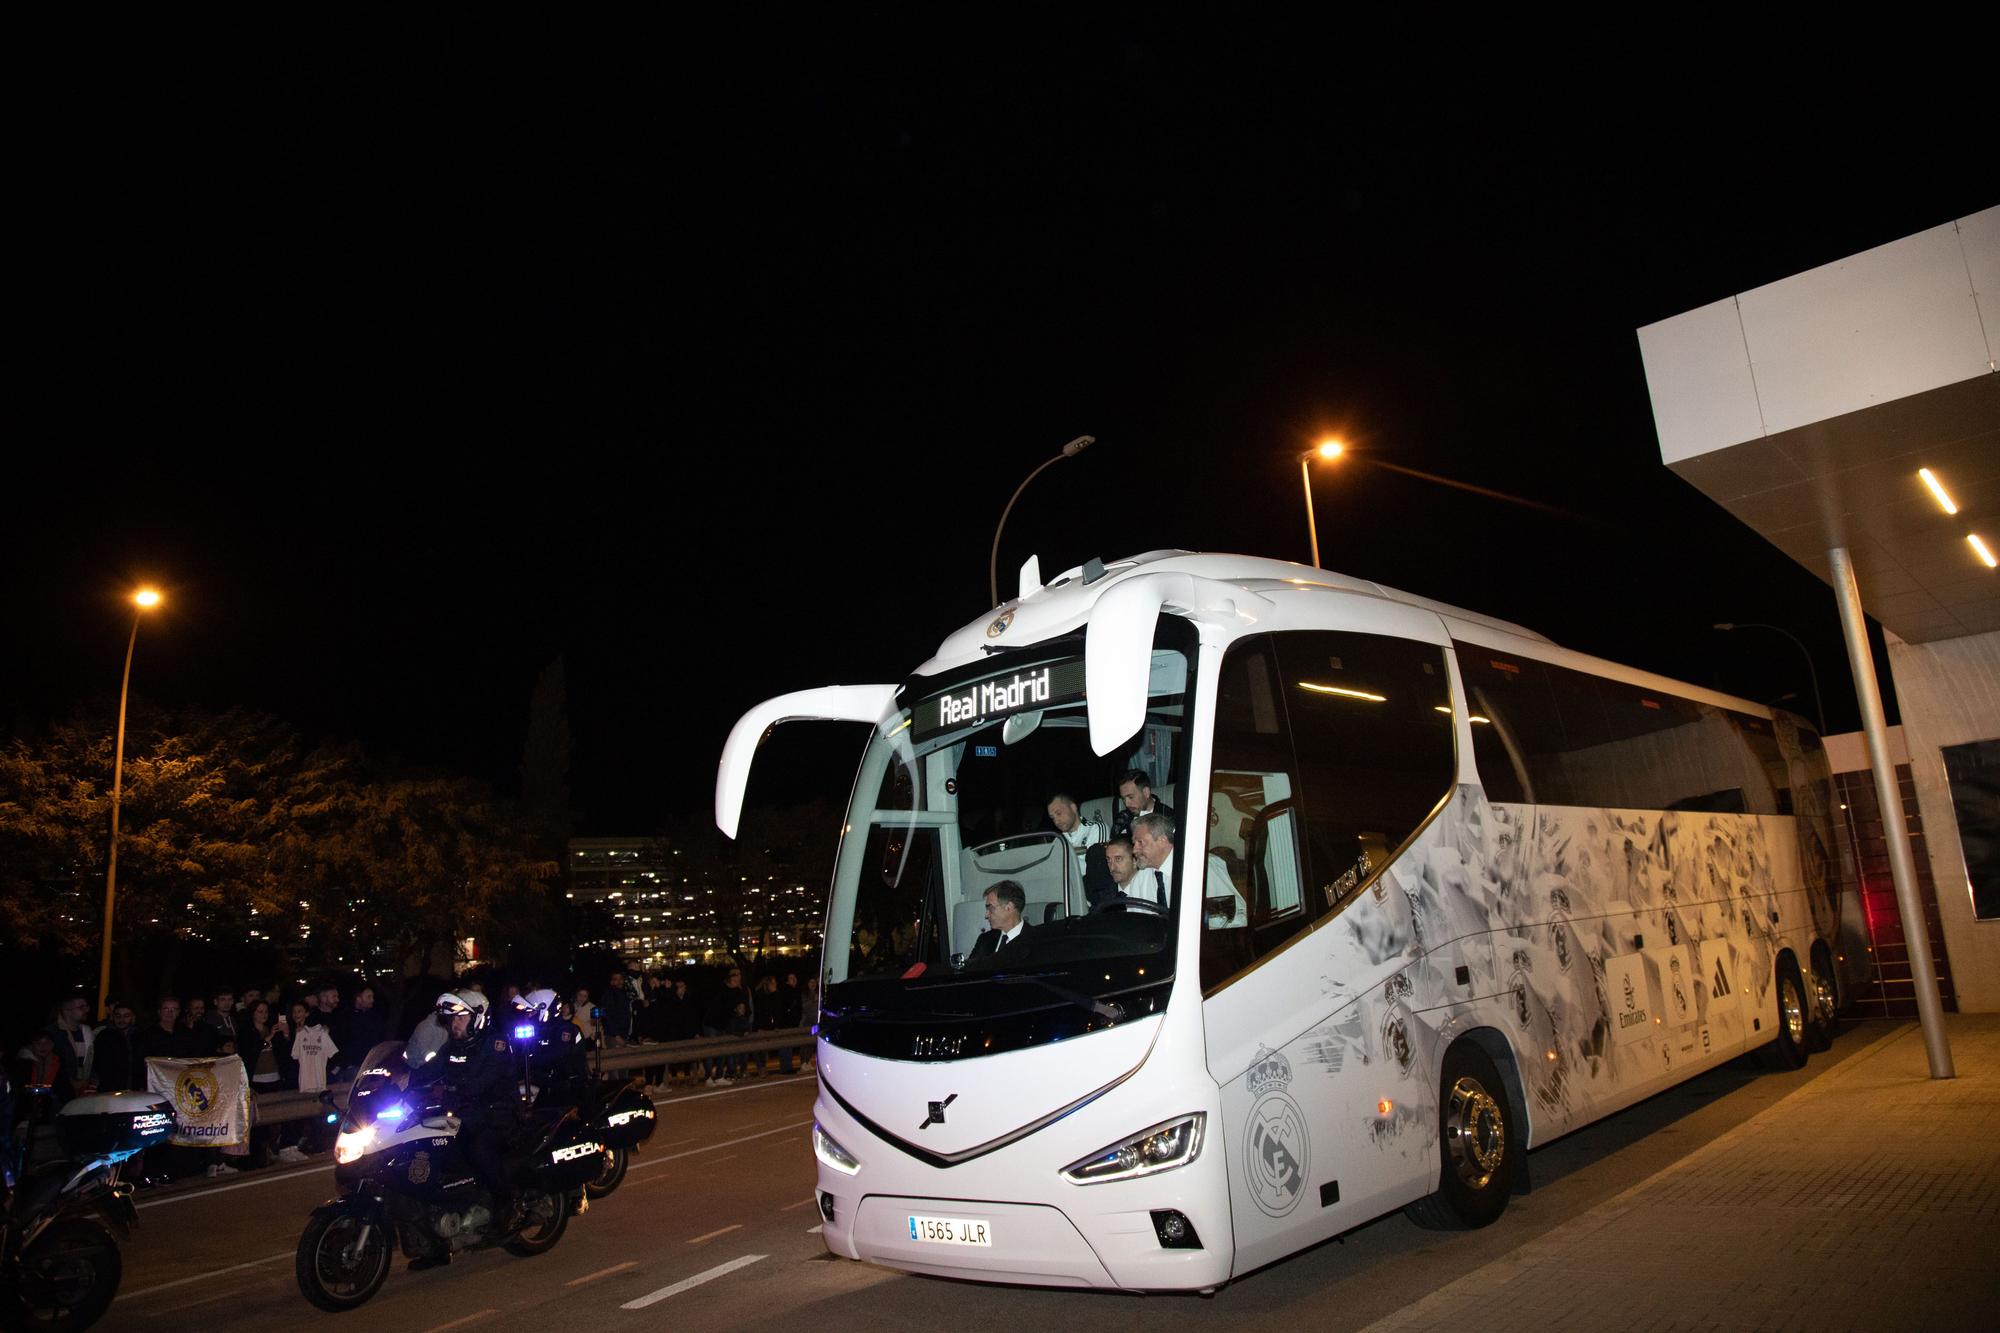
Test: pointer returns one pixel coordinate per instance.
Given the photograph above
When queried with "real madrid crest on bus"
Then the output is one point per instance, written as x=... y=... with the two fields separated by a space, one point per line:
x=1276 y=1151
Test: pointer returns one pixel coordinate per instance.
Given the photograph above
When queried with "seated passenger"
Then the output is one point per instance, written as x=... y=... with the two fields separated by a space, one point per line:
x=1081 y=831
x=1135 y=798
x=1153 y=843
x=1120 y=861
x=1006 y=938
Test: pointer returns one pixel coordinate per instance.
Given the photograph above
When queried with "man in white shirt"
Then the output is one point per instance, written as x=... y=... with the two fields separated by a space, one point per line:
x=1077 y=828
x=1153 y=844
x=1120 y=861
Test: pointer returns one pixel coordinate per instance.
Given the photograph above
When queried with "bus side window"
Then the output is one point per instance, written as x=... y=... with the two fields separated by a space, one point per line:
x=1252 y=805
x=1376 y=749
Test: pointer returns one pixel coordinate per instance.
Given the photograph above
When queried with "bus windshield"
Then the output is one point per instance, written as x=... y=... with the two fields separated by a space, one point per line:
x=956 y=833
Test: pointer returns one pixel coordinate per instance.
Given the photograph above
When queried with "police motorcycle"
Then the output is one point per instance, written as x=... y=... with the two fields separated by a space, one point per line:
x=406 y=1180
x=61 y=1221
x=555 y=1073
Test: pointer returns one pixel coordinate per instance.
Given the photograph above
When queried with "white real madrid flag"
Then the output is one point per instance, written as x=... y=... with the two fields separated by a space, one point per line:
x=211 y=1099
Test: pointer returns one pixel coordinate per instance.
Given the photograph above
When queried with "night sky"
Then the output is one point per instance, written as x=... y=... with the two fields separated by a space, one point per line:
x=410 y=357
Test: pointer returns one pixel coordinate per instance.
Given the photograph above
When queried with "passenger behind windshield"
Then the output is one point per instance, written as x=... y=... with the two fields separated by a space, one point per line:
x=1005 y=939
x=1153 y=843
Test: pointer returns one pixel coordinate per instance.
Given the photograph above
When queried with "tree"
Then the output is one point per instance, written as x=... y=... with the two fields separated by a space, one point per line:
x=203 y=795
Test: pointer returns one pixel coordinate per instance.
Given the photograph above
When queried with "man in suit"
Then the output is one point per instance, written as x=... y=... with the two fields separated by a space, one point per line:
x=1135 y=798
x=1005 y=939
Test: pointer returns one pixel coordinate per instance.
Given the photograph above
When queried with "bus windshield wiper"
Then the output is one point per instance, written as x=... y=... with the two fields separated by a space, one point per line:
x=1089 y=1003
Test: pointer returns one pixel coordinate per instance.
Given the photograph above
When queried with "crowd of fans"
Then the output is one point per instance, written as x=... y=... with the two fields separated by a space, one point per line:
x=309 y=1040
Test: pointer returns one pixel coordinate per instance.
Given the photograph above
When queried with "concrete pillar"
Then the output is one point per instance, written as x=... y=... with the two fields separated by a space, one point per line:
x=1895 y=829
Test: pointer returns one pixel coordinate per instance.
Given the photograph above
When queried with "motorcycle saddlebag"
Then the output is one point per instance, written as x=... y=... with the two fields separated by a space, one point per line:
x=570 y=1157
x=628 y=1117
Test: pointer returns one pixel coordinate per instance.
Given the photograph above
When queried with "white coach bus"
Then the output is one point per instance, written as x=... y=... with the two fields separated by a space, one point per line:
x=1485 y=891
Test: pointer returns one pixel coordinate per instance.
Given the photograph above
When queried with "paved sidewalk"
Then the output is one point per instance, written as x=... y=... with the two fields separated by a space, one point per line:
x=1868 y=1199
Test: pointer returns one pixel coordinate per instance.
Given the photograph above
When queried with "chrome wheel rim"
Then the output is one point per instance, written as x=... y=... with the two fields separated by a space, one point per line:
x=1795 y=1010
x=1823 y=994
x=1475 y=1132
x=609 y=1170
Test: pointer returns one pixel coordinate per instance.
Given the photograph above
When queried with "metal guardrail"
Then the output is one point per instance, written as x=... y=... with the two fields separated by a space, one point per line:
x=273 y=1108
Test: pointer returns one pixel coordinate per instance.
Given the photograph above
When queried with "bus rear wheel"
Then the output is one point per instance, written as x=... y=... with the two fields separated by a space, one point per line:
x=1787 y=1048
x=1823 y=990
x=1475 y=1145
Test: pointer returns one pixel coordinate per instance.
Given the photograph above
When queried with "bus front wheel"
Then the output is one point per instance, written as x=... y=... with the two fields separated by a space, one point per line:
x=1475 y=1144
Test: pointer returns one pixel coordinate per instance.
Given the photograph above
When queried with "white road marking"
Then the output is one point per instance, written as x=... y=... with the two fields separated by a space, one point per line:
x=602 y=1272
x=457 y=1323
x=203 y=1277
x=672 y=1099
x=800 y=1204
x=239 y=1185
x=713 y=1147
x=720 y=1270
x=814 y=1231
x=711 y=1235
x=189 y=1305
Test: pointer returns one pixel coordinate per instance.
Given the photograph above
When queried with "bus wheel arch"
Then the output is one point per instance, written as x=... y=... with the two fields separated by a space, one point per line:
x=1481 y=1136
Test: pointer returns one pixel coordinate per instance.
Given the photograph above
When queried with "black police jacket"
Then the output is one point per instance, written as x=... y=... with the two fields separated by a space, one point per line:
x=478 y=1072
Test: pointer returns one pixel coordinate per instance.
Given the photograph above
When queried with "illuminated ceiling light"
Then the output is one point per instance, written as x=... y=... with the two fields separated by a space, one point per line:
x=1984 y=554
x=1937 y=489
x=1487 y=720
x=1345 y=694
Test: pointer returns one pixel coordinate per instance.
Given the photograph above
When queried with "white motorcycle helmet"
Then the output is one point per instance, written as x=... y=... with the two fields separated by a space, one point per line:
x=453 y=1003
x=543 y=1002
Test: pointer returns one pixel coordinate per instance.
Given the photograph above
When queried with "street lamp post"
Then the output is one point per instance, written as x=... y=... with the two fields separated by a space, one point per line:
x=1329 y=450
x=1070 y=450
x=145 y=599
x=1811 y=670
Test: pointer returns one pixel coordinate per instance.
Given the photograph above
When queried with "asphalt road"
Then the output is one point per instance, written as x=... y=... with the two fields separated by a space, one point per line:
x=715 y=1227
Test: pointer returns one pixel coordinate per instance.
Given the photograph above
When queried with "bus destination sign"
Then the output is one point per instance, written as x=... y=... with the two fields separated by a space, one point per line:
x=997 y=697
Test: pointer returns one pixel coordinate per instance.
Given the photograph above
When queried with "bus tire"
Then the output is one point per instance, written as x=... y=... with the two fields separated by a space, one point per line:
x=1475 y=1141
x=1787 y=1047
x=1823 y=990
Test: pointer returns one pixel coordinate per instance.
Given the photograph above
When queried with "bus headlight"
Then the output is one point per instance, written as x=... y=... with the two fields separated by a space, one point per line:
x=351 y=1146
x=832 y=1153
x=1161 y=1148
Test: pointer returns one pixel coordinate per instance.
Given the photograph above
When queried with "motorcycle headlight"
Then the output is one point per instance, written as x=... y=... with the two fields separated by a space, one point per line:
x=832 y=1153
x=1162 y=1148
x=353 y=1144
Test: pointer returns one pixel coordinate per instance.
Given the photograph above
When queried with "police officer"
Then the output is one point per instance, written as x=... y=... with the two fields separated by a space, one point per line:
x=477 y=1069
x=556 y=1066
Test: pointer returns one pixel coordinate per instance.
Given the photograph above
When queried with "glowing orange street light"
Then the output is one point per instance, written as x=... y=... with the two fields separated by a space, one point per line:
x=145 y=599
x=1327 y=451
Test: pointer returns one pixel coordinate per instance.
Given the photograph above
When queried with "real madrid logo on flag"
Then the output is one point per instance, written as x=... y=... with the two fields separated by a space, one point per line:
x=211 y=1100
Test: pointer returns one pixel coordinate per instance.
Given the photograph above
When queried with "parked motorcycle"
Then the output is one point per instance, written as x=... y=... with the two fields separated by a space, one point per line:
x=61 y=1222
x=406 y=1181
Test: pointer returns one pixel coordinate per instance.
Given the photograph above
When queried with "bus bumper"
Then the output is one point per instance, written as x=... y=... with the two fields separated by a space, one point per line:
x=1029 y=1243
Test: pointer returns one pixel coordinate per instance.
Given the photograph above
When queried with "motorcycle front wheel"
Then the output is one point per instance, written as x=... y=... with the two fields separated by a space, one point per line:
x=615 y=1162
x=68 y=1277
x=343 y=1259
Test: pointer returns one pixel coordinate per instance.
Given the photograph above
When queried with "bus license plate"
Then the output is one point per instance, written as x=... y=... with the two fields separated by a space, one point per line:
x=950 y=1231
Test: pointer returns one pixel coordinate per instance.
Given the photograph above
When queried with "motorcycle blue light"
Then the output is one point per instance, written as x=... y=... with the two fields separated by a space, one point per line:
x=525 y=1032
x=393 y=1112
x=332 y=1117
